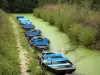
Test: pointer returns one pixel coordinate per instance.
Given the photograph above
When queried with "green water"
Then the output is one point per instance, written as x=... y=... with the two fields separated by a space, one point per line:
x=87 y=61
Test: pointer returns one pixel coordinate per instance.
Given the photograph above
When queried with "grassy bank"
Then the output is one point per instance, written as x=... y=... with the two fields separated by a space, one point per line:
x=81 y=24
x=9 y=62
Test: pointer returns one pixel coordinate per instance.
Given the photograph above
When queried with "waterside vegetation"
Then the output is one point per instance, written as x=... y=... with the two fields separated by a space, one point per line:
x=81 y=23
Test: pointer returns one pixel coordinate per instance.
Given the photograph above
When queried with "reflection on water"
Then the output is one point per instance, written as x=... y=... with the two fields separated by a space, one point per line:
x=87 y=61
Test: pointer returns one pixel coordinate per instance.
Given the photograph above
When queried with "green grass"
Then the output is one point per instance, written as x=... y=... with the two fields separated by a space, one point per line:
x=74 y=21
x=9 y=62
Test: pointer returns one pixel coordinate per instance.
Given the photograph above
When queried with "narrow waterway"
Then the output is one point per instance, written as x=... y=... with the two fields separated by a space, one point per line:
x=87 y=61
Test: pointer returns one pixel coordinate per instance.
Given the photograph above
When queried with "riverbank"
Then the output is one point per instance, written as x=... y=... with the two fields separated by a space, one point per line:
x=85 y=60
x=79 y=23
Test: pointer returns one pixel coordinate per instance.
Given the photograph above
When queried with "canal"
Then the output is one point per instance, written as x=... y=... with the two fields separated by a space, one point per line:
x=87 y=61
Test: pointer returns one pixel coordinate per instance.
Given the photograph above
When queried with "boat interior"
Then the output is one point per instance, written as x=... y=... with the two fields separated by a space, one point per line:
x=56 y=61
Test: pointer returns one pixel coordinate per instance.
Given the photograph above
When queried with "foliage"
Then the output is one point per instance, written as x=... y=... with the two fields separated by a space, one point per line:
x=24 y=5
x=74 y=30
x=3 y=4
x=37 y=12
x=87 y=35
x=73 y=21
x=28 y=5
x=18 y=5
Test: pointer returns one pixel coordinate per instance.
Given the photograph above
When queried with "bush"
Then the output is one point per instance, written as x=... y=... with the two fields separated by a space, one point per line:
x=87 y=35
x=59 y=22
x=37 y=12
x=44 y=15
x=74 y=31
x=50 y=17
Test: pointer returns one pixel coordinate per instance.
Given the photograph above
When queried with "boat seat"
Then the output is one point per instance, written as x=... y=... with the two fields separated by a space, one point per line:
x=28 y=26
x=37 y=32
x=55 y=60
x=51 y=55
x=54 y=65
x=23 y=19
x=40 y=43
x=25 y=22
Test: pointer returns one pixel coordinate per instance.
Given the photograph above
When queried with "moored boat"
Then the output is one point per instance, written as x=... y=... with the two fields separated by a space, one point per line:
x=31 y=33
x=19 y=17
x=28 y=27
x=56 y=63
x=24 y=21
x=40 y=42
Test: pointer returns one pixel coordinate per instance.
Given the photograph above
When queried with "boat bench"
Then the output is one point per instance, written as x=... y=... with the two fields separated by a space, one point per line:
x=54 y=65
x=51 y=55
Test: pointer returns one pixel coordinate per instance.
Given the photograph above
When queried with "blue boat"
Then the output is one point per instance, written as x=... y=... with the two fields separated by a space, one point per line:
x=32 y=33
x=23 y=19
x=56 y=63
x=28 y=27
x=40 y=42
x=19 y=17
x=23 y=22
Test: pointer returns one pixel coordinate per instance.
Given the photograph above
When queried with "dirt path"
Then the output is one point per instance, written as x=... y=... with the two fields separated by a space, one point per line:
x=22 y=52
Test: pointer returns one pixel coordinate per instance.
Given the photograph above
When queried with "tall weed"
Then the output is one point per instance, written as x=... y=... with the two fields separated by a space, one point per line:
x=87 y=35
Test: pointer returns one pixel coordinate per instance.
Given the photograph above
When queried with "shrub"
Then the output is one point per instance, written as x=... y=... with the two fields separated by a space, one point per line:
x=37 y=12
x=44 y=15
x=50 y=17
x=74 y=30
x=66 y=23
x=59 y=22
x=87 y=35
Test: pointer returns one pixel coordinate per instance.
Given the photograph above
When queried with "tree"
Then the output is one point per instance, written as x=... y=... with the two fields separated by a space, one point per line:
x=4 y=4
x=25 y=5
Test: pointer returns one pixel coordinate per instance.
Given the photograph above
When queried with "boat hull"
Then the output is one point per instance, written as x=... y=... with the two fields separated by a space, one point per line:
x=31 y=36
x=60 y=70
x=27 y=28
x=63 y=71
x=40 y=48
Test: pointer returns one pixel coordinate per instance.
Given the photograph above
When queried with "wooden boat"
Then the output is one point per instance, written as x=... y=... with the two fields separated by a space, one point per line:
x=28 y=27
x=56 y=63
x=31 y=33
x=19 y=17
x=40 y=42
